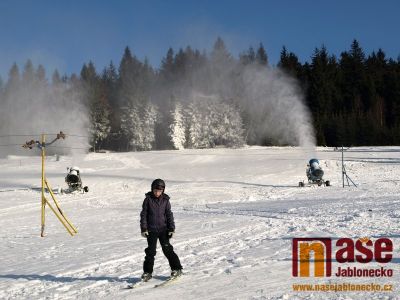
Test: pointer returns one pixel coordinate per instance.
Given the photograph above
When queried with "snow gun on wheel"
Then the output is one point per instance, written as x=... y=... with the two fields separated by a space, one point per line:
x=315 y=174
x=74 y=181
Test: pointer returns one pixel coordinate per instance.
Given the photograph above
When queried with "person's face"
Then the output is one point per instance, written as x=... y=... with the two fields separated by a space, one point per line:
x=157 y=192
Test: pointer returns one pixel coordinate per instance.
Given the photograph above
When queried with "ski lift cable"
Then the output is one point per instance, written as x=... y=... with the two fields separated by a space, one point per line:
x=39 y=134
x=16 y=135
x=24 y=135
x=68 y=147
x=76 y=135
x=19 y=145
x=10 y=145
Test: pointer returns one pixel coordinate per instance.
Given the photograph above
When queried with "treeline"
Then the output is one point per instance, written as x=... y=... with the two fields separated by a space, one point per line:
x=354 y=99
x=196 y=99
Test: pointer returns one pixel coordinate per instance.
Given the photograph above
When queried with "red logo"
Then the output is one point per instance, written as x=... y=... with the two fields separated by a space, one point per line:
x=319 y=251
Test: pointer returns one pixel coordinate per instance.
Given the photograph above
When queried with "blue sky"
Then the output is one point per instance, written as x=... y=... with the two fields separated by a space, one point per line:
x=65 y=34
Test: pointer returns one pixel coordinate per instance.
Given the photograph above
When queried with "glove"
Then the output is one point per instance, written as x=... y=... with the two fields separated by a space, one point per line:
x=145 y=234
x=170 y=234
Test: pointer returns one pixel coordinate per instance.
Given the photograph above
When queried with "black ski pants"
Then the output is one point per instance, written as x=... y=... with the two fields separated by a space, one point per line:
x=166 y=247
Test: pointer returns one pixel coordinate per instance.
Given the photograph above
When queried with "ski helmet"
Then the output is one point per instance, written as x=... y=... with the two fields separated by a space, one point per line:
x=158 y=184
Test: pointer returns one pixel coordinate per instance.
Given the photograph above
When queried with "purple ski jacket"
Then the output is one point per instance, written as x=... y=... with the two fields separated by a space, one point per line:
x=156 y=215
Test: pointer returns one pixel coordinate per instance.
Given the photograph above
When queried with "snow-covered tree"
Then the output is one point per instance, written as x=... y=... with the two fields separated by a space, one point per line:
x=138 y=126
x=131 y=127
x=98 y=107
x=177 y=128
x=148 y=126
x=231 y=124
x=214 y=122
x=198 y=129
x=99 y=123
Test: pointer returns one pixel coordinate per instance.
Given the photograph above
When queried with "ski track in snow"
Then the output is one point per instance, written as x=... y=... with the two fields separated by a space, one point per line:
x=236 y=211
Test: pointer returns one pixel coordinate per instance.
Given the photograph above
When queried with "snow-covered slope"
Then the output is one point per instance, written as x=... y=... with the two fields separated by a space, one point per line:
x=236 y=212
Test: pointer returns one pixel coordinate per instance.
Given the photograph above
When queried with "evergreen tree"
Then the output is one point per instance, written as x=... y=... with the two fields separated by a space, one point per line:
x=220 y=56
x=212 y=122
x=132 y=98
x=180 y=64
x=177 y=128
x=28 y=74
x=148 y=127
x=376 y=70
x=197 y=130
x=323 y=95
x=109 y=86
x=97 y=104
x=261 y=56
x=100 y=124
x=289 y=62
x=41 y=74
x=167 y=66
x=56 y=79
x=353 y=78
x=131 y=127
x=131 y=81
x=248 y=57
x=231 y=132
x=221 y=65
x=13 y=82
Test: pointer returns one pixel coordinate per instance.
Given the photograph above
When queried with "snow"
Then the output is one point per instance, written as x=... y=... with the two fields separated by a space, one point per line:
x=236 y=212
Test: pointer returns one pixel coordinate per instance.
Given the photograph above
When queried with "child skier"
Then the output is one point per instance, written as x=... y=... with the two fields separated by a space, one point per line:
x=157 y=223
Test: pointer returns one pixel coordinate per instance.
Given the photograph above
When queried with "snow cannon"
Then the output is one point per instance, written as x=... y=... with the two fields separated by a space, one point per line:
x=73 y=177
x=74 y=181
x=315 y=174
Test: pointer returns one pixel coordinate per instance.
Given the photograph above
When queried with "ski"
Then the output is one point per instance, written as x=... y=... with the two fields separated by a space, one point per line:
x=169 y=281
x=136 y=284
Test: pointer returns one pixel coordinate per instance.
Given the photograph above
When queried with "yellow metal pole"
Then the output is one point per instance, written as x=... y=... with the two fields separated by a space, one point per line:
x=59 y=208
x=59 y=218
x=43 y=187
x=59 y=213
